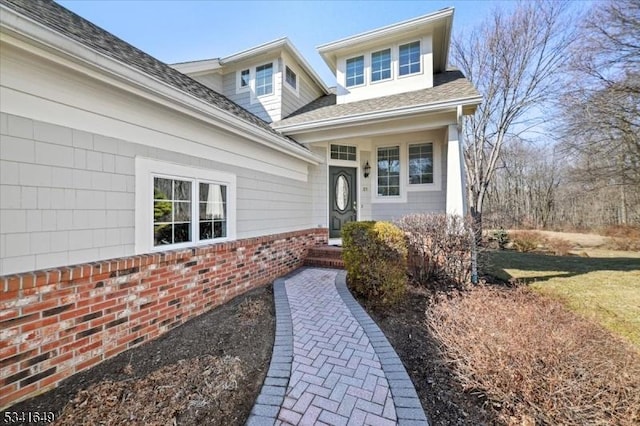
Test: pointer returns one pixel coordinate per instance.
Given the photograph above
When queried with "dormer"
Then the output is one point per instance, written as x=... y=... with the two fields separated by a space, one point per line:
x=395 y=59
x=271 y=80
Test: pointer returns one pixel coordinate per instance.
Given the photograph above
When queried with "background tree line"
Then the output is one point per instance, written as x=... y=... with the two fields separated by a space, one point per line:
x=556 y=142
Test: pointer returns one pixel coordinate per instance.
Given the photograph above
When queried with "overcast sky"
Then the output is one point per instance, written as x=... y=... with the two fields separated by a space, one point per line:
x=178 y=31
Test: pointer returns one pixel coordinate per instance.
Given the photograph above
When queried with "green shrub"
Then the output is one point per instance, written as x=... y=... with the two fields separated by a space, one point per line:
x=375 y=257
x=525 y=241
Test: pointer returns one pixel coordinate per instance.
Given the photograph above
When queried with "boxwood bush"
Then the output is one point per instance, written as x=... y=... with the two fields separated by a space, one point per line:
x=375 y=257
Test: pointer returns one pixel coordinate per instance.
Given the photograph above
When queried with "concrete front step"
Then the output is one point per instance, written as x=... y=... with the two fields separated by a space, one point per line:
x=325 y=257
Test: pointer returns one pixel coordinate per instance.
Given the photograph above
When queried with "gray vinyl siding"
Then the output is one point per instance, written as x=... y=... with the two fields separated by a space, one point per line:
x=267 y=108
x=68 y=196
x=319 y=180
x=417 y=201
x=308 y=92
x=212 y=81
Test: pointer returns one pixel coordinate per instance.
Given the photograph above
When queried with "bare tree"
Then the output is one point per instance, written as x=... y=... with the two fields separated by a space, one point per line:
x=515 y=60
x=602 y=105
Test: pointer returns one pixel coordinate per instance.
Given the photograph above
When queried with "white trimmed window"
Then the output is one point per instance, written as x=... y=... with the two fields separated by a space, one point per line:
x=343 y=152
x=381 y=65
x=389 y=171
x=355 y=71
x=244 y=78
x=264 y=79
x=420 y=164
x=291 y=78
x=409 y=58
x=179 y=206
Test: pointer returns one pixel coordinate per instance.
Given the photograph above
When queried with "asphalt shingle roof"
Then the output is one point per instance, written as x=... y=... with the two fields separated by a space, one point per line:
x=447 y=86
x=64 y=21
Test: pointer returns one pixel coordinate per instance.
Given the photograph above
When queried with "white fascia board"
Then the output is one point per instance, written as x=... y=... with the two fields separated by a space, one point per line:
x=195 y=67
x=399 y=28
x=377 y=115
x=279 y=44
x=104 y=68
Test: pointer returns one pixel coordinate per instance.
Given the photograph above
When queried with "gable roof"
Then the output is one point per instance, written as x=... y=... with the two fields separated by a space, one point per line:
x=449 y=88
x=73 y=26
x=438 y=23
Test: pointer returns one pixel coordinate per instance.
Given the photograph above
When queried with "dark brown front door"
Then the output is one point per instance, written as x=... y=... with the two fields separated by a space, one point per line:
x=343 y=200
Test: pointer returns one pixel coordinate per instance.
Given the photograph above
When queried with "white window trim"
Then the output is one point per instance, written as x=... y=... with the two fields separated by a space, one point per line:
x=391 y=67
x=239 y=88
x=405 y=186
x=437 y=169
x=413 y=74
x=365 y=68
x=295 y=90
x=375 y=197
x=146 y=169
x=274 y=70
x=345 y=163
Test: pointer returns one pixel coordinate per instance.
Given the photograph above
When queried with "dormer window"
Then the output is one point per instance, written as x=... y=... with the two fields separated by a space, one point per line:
x=409 y=55
x=381 y=65
x=355 y=71
x=291 y=77
x=264 y=80
x=244 y=78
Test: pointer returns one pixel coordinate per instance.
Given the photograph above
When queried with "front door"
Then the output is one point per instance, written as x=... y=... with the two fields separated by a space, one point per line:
x=343 y=200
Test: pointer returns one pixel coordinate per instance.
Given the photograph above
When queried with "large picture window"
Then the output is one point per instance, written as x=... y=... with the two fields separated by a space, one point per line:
x=182 y=206
x=409 y=58
x=355 y=71
x=421 y=164
x=264 y=79
x=389 y=171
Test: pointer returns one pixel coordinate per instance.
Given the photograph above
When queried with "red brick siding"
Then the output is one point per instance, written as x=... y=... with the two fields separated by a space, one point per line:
x=58 y=322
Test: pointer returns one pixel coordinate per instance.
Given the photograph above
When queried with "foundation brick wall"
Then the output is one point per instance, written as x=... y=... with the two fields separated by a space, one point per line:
x=57 y=322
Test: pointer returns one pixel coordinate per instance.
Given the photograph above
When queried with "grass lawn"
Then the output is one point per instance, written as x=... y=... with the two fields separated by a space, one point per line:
x=604 y=287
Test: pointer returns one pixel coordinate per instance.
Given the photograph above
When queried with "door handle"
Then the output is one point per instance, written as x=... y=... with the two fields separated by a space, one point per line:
x=355 y=206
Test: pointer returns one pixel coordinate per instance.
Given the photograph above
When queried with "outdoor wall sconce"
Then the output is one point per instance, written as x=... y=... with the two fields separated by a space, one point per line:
x=367 y=169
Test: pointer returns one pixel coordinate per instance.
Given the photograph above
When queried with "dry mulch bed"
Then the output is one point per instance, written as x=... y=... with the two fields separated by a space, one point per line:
x=208 y=371
x=441 y=395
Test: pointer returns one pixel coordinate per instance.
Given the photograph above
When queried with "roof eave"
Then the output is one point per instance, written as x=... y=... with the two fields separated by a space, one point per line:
x=363 y=118
x=325 y=50
x=281 y=43
x=40 y=35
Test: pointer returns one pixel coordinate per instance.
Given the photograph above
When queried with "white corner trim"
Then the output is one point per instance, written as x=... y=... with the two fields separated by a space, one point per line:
x=145 y=170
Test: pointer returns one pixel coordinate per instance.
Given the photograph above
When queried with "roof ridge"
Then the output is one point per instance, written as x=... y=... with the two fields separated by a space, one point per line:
x=72 y=25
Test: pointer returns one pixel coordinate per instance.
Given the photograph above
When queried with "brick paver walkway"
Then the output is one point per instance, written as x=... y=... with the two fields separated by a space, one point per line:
x=331 y=363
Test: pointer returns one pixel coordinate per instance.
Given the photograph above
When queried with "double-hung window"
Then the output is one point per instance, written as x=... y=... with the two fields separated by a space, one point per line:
x=381 y=65
x=264 y=79
x=389 y=171
x=409 y=58
x=420 y=164
x=355 y=71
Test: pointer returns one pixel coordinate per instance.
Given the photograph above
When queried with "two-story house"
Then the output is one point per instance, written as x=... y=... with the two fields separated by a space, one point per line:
x=136 y=194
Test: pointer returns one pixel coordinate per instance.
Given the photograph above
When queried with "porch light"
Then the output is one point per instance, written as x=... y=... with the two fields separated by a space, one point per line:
x=367 y=169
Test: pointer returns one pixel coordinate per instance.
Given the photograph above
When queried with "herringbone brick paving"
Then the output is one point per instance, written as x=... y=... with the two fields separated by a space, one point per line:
x=336 y=376
x=331 y=363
